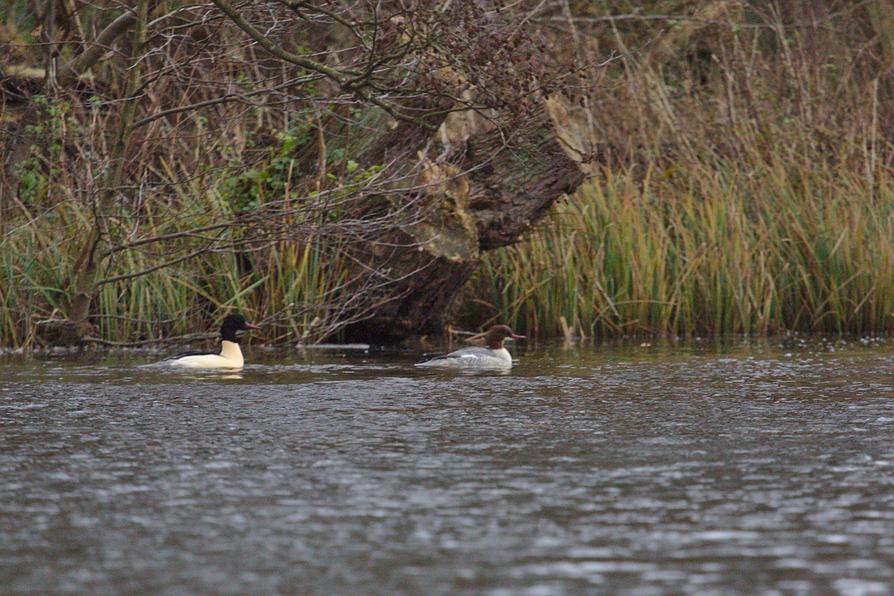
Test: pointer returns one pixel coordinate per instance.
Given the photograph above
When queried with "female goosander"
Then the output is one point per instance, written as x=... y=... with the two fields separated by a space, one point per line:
x=493 y=356
x=230 y=355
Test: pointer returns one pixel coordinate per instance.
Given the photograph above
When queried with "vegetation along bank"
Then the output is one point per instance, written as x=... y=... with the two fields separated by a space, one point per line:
x=378 y=173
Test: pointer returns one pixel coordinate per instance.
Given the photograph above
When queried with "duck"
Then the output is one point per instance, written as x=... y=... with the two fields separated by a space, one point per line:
x=230 y=355
x=495 y=355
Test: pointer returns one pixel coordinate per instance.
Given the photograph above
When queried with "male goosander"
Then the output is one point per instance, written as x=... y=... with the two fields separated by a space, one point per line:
x=230 y=355
x=493 y=356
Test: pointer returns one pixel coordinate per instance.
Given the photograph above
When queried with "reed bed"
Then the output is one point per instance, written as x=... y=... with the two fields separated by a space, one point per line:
x=716 y=248
x=744 y=188
x=286 y=286
x=708 y=250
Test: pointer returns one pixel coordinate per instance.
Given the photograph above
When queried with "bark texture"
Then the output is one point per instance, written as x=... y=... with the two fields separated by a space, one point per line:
x=499 y=182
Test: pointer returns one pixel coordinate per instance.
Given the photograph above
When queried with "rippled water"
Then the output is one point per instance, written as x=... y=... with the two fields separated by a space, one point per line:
x=638 y=469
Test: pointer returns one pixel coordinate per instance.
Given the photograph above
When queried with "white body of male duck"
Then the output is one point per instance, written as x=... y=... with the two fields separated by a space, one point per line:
x=494 y=356
x=230 y=355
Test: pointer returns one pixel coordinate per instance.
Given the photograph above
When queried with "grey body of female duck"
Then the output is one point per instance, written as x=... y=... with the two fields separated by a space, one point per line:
x=494 y=356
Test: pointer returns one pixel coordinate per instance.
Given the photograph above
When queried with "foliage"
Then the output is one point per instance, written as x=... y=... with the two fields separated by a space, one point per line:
x=744 y=183
x=287 y=285
x=710 y=249
x=740 y=155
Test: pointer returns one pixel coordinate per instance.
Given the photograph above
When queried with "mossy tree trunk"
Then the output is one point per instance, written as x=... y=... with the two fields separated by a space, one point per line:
x=484 y=195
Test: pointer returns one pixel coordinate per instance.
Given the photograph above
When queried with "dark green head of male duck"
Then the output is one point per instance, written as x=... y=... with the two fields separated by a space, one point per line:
x=232 y=324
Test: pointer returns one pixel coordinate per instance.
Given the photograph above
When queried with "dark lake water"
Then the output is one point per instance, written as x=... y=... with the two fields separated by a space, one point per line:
x=764 y=466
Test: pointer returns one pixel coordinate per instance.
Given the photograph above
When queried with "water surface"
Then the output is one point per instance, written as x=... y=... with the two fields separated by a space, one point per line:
x=731 y=468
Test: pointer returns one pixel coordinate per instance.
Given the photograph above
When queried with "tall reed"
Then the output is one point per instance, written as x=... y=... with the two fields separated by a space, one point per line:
x=288 y=285
x=709 y=249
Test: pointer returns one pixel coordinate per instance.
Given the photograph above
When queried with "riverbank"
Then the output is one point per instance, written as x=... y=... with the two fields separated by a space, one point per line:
x=739 y=180
x=709 y=250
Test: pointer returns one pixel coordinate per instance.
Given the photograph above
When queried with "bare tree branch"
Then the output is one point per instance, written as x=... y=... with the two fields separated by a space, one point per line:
x=69 y=72
x=331 y=73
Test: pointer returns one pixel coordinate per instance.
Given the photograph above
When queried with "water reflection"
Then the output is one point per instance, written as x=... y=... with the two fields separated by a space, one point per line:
x=747 y=467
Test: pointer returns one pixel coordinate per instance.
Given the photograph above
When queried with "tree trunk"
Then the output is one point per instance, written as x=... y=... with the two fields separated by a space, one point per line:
x=499 y=184
x=75 y=327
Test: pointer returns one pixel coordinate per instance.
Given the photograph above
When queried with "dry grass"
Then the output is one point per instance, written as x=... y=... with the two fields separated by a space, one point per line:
x=746 y=183
x=707 y=250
